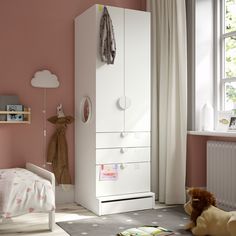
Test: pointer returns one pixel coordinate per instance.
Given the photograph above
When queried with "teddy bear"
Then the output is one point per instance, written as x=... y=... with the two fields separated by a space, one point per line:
x=206 y=218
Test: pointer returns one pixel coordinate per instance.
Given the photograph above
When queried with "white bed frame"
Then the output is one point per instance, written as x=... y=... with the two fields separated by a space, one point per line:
x=49 y=176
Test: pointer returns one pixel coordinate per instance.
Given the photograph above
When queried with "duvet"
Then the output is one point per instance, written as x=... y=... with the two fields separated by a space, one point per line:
x=22 y=191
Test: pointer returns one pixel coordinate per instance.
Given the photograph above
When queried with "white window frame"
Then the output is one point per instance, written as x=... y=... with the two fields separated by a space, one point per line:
x=223 y=36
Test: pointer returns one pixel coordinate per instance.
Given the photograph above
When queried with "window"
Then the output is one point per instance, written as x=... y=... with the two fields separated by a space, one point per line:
x=228 y=59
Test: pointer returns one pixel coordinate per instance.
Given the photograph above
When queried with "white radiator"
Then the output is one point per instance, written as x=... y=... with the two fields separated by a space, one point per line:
x=221 y=172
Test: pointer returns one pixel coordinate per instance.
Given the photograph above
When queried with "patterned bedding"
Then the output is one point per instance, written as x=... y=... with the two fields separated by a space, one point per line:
x=22 y=191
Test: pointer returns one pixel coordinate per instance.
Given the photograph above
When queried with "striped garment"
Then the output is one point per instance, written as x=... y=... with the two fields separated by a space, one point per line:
x=107 y=38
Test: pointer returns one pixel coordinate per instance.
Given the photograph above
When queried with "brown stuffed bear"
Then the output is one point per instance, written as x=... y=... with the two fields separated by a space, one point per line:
x=206 y=218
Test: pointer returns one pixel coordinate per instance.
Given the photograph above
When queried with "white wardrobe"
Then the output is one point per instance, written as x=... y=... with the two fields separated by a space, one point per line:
x=112 y=107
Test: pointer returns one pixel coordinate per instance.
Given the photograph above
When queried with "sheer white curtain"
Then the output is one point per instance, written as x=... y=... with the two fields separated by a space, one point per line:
x=169 y=98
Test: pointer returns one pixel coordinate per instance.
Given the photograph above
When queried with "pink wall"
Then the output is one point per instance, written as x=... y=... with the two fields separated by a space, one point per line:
x=196 y=159
x=36 y=35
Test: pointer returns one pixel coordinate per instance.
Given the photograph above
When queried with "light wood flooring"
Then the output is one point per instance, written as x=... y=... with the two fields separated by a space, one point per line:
x=37 y=223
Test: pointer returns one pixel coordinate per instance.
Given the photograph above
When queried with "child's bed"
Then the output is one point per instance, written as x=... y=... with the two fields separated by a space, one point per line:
x=27 y=190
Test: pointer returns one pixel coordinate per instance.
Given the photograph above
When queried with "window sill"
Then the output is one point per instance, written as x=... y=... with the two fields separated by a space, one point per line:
x=214 y=133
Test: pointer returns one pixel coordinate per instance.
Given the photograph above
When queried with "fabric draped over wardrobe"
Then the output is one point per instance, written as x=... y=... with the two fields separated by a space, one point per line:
x=107 y=38
x=169 y=99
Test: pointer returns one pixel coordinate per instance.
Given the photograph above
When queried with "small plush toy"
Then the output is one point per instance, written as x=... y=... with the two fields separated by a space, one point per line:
x=206 y=218
x=60 y=112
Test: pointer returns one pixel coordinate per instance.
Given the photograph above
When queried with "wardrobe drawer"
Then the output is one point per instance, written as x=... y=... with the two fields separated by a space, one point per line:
x=126 y=205
x=135 y=139
x=122 y=155
x=132 y=178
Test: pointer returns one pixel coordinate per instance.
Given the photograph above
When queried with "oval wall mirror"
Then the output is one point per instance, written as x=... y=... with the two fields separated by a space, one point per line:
x=86 y=109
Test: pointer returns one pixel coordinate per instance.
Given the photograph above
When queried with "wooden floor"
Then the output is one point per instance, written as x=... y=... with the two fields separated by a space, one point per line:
x=37 y=223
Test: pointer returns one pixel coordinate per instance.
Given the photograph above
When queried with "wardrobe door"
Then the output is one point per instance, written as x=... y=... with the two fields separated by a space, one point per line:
x=137 y=70
x=110 y=78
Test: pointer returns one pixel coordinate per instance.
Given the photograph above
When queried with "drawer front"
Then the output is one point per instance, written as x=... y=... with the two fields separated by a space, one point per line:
x=134 y=139
x=132 y=178
x=126 y=205
x=122 y=155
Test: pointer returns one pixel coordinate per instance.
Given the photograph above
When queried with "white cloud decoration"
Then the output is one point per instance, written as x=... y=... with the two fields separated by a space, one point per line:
x=45 y=79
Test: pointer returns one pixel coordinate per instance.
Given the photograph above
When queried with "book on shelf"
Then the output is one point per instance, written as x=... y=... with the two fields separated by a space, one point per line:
x=17 y=116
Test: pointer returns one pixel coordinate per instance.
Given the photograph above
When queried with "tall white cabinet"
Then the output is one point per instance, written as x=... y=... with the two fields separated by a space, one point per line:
x=117 y=132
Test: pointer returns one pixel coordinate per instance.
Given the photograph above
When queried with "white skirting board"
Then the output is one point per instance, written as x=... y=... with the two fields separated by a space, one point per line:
x=65 y=194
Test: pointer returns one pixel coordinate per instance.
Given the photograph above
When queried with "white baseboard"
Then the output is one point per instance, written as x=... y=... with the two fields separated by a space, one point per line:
x=65 y=194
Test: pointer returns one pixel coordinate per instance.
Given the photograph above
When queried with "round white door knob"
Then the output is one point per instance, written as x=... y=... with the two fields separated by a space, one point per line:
x=124 y=103
x=123 y=150
x=121 y=103
x=122 y=166
x=123 y=134
x=127 y=102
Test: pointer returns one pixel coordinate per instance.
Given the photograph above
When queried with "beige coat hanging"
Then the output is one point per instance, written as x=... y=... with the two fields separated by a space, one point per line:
x=58 y=149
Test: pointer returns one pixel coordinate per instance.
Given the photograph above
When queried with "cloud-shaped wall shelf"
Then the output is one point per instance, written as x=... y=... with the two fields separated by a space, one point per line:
x=45 y=79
